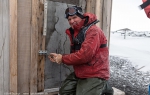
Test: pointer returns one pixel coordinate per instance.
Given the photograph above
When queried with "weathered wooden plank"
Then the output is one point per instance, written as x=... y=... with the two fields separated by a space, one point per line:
x=13 y=46
x=34 y=47
x=24 y=44
x=95 y=6
x=4 y=47
x=98 y=12
x=41 y=46
x=1 y=50
x=6 y=44
x=91 y=6
x=107 y=9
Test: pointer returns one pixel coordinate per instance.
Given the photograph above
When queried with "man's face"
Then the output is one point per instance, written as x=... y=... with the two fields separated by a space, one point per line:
x=73 y=20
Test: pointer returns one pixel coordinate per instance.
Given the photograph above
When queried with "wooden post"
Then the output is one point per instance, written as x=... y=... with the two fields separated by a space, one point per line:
x=1 y=50
x=24 y=17
x=106 y=18
x=13 y=46
x=41 y=46
x=99 y=12
x=4 y=47
x=90 y=7
x=34 y=46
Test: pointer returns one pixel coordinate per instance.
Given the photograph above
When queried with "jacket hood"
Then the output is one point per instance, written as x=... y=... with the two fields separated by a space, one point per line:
x=91 y=17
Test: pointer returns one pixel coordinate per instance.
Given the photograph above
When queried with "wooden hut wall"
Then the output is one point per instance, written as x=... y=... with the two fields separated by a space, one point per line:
x=4 y=47
x=30 y=41
x=26 y=27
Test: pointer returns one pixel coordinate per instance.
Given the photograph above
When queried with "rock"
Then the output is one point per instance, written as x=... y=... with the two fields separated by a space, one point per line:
x=118 y=92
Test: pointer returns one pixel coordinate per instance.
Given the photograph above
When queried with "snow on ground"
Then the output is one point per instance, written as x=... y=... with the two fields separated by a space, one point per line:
x=135 y=49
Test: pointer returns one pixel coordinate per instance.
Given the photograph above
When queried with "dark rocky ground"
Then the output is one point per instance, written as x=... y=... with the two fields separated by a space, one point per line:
x=128 y=78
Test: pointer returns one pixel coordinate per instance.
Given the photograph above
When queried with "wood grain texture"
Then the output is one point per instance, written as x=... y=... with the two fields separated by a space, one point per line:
x=95 y=7
x=107 y=9
x=91 y=6
x=1 y=50
x=34 y=46
x=41 y=46
x=13 y=46
x=98 y=12
x=6 y=33
x=4 y=47
x=24 y=44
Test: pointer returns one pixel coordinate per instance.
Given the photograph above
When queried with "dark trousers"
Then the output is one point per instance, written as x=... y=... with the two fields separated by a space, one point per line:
x=89 y=86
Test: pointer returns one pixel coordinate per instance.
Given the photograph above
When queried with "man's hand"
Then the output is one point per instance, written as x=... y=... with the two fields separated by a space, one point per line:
x=52 y=57
x=59 y=58
x=55 y=58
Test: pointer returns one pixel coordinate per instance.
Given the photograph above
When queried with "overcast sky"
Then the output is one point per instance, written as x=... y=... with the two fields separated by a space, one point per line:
x=126 y=14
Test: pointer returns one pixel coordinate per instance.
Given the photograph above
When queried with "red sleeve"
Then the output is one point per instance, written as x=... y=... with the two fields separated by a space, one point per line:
x=147 y=9
x=87 y=50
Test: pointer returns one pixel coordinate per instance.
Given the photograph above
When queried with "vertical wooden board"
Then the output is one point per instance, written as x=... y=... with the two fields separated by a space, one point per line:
x=107 y=8
x=6 y=44
x=88 y=5
x=34 y=46
x=98 y=12
x=1 y=50
x=24 y=44
x=13 y=46
x=95 y=6
x=41 y=46
x=91 y=5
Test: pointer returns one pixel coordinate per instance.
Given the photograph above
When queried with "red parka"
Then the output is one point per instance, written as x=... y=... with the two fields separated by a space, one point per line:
x=147 y=9
x=91 y=60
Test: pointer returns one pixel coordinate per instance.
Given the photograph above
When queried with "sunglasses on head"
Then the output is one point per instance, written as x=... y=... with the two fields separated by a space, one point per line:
x=71 y=11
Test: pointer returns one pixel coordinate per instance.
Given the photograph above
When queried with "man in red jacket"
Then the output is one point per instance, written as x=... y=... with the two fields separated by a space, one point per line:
x=89 y=56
